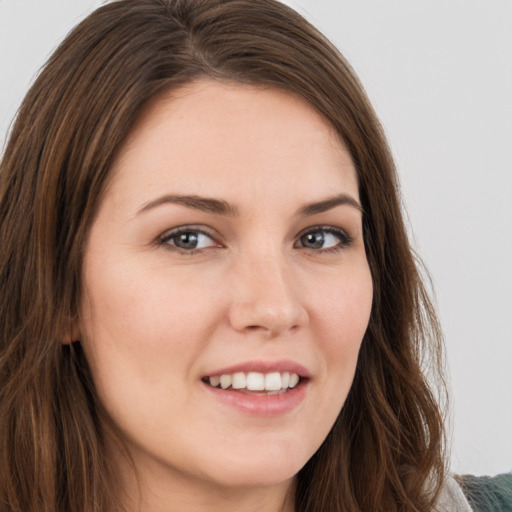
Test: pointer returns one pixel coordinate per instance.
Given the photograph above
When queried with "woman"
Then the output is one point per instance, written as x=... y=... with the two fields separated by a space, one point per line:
x=209 y=300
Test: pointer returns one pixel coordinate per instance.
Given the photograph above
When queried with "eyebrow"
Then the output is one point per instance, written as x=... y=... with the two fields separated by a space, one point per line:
x=329 y=204
x=204 y=204
x=220 y=207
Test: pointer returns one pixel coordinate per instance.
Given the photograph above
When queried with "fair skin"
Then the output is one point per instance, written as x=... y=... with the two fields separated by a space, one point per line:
x=266 y=274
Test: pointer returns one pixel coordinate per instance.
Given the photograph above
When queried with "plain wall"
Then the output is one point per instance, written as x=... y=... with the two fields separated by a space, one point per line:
x=439 y=73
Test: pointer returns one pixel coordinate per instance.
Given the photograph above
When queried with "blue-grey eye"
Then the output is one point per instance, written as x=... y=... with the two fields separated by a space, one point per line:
x=189 y=240
x=324 y=239
x=314 y=240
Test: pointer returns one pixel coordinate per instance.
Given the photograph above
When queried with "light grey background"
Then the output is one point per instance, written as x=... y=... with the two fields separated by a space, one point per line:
x=439 y=73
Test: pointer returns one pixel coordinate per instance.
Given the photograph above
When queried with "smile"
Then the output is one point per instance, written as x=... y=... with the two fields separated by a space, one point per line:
x=255 y=382
x=264 y=389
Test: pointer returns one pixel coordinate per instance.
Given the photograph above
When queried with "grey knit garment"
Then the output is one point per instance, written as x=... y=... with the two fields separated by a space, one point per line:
x=488 y=493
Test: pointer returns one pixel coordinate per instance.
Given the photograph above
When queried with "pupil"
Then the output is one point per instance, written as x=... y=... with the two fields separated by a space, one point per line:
x=314 y=240
x=187 y=240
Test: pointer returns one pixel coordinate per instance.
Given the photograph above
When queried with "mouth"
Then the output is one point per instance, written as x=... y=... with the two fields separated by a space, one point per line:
x=255 y=383
x=262 y=389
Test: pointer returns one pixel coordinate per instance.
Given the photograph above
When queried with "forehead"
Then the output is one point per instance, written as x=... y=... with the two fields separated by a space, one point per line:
x=212 y=137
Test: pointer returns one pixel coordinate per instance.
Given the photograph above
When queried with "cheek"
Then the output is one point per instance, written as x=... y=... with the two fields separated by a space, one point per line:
x=342 y=315
x=141 y=326
x=141 y=337
x=343 y=309
x=138 y=305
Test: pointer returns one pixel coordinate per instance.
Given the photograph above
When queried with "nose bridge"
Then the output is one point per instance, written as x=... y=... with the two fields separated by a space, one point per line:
x=265 y=297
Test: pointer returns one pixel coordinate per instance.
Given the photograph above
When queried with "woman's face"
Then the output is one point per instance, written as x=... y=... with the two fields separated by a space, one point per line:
x=228 y=247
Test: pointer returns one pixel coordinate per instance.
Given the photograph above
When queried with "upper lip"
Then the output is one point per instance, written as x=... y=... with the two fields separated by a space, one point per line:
x=283 y=365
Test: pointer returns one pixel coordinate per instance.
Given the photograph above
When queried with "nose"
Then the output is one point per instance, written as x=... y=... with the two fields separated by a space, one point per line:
x=266 y=298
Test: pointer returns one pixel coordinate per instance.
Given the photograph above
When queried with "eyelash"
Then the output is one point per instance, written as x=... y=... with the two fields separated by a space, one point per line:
x=166 y=239
x=344 y=239
x=168 y=236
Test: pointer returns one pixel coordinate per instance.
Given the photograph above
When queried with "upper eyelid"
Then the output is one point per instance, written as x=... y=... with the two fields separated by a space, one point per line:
x=326 y=228
x=189 y=228
x=201 y=228
x=322 y=227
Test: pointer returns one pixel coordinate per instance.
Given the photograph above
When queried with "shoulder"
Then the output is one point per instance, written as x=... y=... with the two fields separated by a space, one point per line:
x=488 y=494
x=452 y=498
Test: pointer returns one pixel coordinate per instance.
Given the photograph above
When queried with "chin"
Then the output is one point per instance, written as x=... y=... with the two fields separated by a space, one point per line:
x=256 y=472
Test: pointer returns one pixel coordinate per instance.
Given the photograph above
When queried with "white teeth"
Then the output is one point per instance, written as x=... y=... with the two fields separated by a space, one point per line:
x=273 y=381
x=225 y=381
x=239 y=381
x=255 y=381
x=294 y=380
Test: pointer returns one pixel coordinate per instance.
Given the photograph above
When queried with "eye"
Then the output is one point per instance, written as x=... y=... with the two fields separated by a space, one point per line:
x=188 y=239
x=324 y=239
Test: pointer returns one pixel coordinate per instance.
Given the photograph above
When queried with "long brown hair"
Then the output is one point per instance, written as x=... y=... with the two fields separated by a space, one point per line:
x=384 y=452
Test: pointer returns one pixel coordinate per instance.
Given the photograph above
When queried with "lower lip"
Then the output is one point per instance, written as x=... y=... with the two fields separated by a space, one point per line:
x=261 y=405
